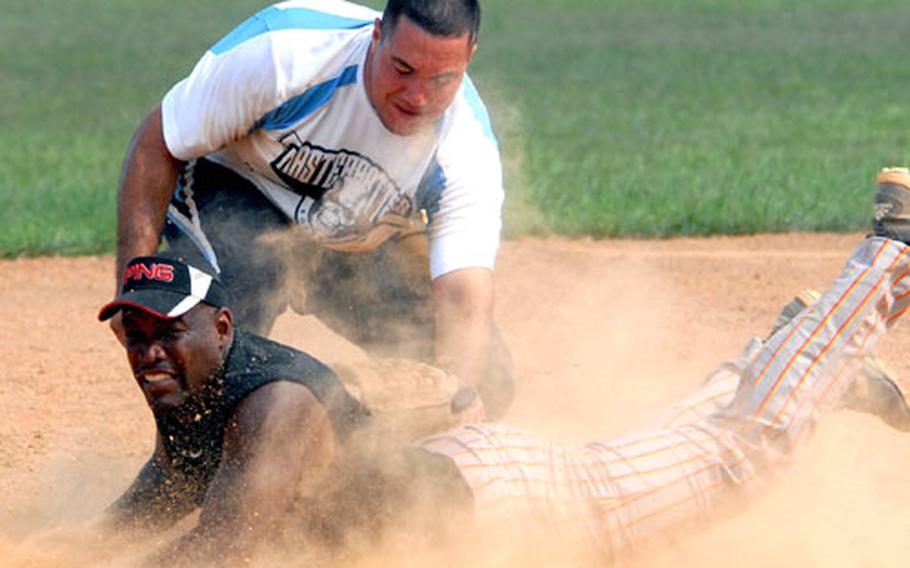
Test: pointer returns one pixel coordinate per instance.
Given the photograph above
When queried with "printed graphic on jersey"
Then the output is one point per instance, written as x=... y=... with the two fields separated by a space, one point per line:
x=347 y=200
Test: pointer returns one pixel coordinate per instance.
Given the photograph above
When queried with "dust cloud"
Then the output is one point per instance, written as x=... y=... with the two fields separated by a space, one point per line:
x=604 y=335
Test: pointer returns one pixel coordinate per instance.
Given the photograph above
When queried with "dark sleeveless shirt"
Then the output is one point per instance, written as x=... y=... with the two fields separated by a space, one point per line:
x=193 y=433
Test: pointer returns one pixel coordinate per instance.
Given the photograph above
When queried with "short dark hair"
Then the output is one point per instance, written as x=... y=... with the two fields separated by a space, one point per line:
x=447 y=18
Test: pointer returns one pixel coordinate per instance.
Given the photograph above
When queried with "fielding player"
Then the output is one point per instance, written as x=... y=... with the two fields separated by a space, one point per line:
x=260 y=436
x=323 y=157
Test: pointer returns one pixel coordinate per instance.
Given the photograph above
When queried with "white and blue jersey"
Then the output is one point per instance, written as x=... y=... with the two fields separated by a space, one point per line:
x=281 y=101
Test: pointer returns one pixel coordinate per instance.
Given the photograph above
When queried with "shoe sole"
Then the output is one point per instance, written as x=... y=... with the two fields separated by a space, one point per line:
x=895 y=176
x=890 y=218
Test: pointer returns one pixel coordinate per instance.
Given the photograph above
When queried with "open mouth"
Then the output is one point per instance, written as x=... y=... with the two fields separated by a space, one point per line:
x=154 y=378
x=157 y=384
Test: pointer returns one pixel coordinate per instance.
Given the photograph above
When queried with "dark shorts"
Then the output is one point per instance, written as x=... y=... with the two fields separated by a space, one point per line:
x=381 y=300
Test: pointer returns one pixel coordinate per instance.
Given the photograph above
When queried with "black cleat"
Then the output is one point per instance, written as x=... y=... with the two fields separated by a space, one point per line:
x=892 y=205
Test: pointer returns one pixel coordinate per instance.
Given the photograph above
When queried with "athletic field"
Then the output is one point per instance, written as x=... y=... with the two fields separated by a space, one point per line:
x=620 y=118
x=637 y=136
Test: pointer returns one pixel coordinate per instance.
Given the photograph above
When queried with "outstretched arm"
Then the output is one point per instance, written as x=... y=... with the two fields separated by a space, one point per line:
x=155 y=500
x=147 y=182
x=279 y=438
x=463 y=303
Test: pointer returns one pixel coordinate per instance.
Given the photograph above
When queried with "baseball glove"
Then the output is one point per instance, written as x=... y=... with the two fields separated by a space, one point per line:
x=409 y=400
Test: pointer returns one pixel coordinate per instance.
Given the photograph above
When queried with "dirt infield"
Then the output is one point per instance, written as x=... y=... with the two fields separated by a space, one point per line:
x=604 y=333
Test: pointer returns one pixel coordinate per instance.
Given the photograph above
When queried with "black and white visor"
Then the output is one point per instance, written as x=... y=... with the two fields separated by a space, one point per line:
x=166 y=288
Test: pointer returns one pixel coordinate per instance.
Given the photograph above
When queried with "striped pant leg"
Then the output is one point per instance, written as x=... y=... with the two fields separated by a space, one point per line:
x=626 y=492
x=804 y=369
x=525 y=490
x=675 y=479
x=715 y=392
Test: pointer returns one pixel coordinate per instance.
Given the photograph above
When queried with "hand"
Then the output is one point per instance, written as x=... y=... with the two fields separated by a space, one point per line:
x=467 y=406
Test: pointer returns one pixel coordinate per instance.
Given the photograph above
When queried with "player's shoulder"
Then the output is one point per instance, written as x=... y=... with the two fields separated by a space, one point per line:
x=277 y=402
x=310 y=11
x=315 y=15
x=281 y=393
x=468 y=118
x=302 y=20
x=255 y=352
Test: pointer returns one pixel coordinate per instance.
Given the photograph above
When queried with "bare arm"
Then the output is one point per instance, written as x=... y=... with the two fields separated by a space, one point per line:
x=463 y=302
x=279 y=437
x=147 y=182
x=155 y=500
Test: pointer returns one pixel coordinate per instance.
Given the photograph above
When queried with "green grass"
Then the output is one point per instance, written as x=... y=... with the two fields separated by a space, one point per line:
x=620 y=117
x=77 y=77
x=699 y=117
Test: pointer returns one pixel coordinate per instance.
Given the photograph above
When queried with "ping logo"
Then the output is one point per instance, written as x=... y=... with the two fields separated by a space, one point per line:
x=159 y=272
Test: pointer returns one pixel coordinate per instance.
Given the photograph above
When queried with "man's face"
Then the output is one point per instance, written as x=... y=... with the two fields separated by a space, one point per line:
x=173 y=359
x=412 y=76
